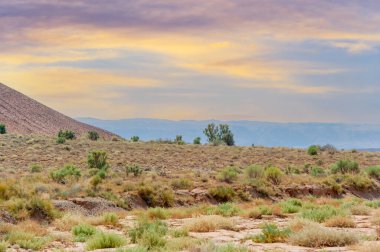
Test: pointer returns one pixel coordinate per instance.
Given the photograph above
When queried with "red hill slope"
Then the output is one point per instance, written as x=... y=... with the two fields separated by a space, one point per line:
x=23 y=115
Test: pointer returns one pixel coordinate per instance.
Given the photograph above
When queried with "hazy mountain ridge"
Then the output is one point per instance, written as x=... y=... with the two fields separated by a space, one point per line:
x=342 y=135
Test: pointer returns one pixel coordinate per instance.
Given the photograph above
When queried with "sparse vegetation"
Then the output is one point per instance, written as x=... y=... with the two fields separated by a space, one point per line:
x=93 y=135
x=135 y=139
x=102 y=240
x=3 y=129
x=66 y=134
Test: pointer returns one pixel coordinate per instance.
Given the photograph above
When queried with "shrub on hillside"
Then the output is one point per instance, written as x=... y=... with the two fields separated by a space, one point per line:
x=219 y=134
x=36 y=168
x=93 y=135
x=66 y=134
x=65 y=174
x=345 y=166
x=331 y=149
x=254 y=171
x=228 y=174
x=135 y=138
x=134 y=169
x=373 y=171
x=61 y=140
x=273 y=174
x=197 y=140
x=3 y=129
x=97 y=159
x=317 y=171
x=178 y=140
x=313 y=150
x=222 y=193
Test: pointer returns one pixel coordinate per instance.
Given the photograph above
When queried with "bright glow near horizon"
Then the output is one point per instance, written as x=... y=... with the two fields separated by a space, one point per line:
x=273 y=60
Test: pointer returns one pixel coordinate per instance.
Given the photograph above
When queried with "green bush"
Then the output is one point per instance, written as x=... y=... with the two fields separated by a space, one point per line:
x=226 y=209
x=373 y=203
x=273 y=174
x=291 y=206
x=3 y=129
x=345 y=166
x=61 y=140
x=321 y=214
x=254 y=171
x=36 y=168
x=373 y=171
x=316 y=171
x=110 y=219
x=271 y=234
x=66 y=134
x=222 y=193
x=157 y=213
x=197 y=140
x=27 y=240
x=149 y=234
x=228 y=174
x=134 y=169
x=178 y=140
x=41 y=209
x=313 y=150
x=65 y=174
x=83 y=232
x=102 y=240
x=93 y=135
x=97 y=159
x=135 y=138
x=157 y=197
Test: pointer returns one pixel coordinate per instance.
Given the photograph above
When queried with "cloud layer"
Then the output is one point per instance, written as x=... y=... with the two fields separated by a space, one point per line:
x=296 y=60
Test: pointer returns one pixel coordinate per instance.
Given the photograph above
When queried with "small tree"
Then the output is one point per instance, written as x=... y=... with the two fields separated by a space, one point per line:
x=135 y=138
x=97 y=159
x=93 y=135
x=179 y=140
x=3 y=129
x=66 y=134
x=197 y=140
x=219 y=134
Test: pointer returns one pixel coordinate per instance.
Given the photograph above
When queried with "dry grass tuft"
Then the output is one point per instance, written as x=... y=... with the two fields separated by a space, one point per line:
x=68 y=221
x=341 y=222
x=210 y=223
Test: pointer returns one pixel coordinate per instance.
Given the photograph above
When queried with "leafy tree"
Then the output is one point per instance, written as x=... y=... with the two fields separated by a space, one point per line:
x=219 y=134
x=211 y=132
x=135 y=138
x=197 y=140
x=225 y=134
x=179 y=140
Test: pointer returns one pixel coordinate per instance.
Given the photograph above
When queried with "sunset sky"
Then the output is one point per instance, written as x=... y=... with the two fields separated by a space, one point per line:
x=267 y=60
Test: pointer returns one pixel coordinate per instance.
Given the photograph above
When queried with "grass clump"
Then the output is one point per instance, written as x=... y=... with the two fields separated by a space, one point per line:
x=345 y=166
x=110 y=219
x=341 y=222
x=211 y=247
x=157 y=196
x=254 y=172
x=271 y=234
x=3 y=246
x=35 y=168
x=83 y=232
x=134 y=169
x=157 y=213
x=97 y=159
x=209 y=223
x=291 y=206
x=93 y=135
x=182 y=183
x=315 y=236
x=222 y=193
x=373 y=171
x=149 y=234
x=102 y=240
x=228 y=174
x=321 y=214
x=27 y=240
x=373 y=203
x=227 y=209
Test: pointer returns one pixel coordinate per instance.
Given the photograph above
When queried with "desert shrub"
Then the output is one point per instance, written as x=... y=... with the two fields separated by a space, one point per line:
x=182 y=183
x=180 y=232
x=149 y=234
x=27 y=240
x=360 y=210
x=345 y=166
x=83 y=232
x=373 y=171
x=331 y=149
x=373 y=203
x=156 y=197
x=41 y=209
x=35 y=168
x=95 y=181
x=313 y=150
x=3 y=129
x=265 y=210
x=316 y=171
x=197 y=140
x=66 y=134
x=358 y=181
x=209 y=223
x=341 y=222
x=273 y=174
x=178 y=140
x=321 y=214
x=68 y=221
x=157 y=213
x=222 y=193
x=315 y=236
x=135 y=139
x=103 y=240
x=65 y=174
x=110 y=219
x=254 y=171
x=3 y=246
x=134 y=169
x=291 y=206
x=61 y=140
x=254 y=213
x=18 y=207
x=228 y=174
x=97 y=159
x=271 y=233
x=93 y=135
x=227 y=209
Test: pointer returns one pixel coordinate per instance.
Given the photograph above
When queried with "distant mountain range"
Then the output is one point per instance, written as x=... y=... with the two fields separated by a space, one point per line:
x=347 y=136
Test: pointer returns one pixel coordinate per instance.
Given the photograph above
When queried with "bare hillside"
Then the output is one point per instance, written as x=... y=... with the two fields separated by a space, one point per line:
x=23 y=115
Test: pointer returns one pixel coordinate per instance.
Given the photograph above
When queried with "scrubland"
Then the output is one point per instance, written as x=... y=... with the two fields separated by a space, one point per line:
x=80 y=195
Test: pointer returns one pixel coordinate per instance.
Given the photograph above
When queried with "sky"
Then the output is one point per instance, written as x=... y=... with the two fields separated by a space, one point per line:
x=264 y=60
